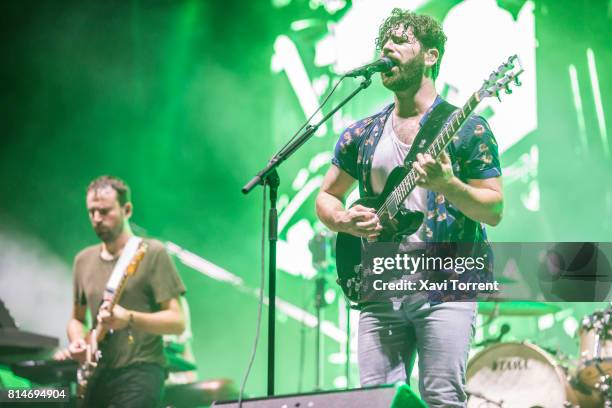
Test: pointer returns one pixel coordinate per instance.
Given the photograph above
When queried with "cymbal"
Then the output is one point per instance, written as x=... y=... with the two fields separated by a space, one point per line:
x=517 y=308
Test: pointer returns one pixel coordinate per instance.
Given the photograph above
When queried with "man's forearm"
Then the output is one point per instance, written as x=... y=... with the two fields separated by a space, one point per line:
x=76 y=330
x=329 y=209
x=162 y=322
x=480 y=204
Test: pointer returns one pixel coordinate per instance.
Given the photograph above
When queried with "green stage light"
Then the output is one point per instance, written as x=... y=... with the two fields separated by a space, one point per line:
x=577 y=98
x=601 y=120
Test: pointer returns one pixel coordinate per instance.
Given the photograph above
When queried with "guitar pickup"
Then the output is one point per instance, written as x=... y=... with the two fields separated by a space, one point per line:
x=392 y=207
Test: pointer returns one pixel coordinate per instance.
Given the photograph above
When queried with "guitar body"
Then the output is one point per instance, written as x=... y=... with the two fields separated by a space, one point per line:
x=87 y=370
x=349 y=247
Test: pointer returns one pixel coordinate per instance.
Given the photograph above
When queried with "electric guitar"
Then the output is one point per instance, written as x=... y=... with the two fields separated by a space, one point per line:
x=396 y=221
x=86 y=370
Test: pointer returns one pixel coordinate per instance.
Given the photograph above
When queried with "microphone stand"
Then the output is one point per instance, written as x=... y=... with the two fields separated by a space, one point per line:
x=269 y=176
x=320 y=303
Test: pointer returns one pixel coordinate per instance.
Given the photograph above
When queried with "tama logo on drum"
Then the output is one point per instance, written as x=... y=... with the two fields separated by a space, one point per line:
x=507 y=364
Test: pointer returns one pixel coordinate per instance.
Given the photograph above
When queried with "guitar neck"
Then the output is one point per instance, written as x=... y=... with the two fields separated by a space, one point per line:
x=101 y=332
x=129 y=271
x=437 y=146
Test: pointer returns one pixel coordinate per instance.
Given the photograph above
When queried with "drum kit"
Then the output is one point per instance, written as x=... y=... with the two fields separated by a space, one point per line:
x=524 y=375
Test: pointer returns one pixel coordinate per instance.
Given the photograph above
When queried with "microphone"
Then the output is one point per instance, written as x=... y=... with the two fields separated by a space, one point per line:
x=382 y=65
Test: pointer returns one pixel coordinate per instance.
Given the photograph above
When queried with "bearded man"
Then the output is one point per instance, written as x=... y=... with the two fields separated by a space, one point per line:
x=459 y=192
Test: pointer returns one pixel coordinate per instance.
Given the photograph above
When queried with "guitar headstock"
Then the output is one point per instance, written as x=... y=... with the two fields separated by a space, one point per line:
x=502 y=78
x=140 y=253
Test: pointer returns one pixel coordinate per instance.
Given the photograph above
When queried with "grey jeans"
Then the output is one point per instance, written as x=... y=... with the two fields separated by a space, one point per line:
x=440 y=334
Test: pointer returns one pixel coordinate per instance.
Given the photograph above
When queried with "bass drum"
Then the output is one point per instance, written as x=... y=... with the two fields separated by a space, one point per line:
x=520 y=375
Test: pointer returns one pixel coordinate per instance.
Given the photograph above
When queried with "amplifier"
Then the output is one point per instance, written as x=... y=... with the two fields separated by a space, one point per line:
x=387 y=396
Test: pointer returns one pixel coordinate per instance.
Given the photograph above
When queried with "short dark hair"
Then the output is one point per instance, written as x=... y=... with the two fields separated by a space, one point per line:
x=124 y=195
x=427 y=30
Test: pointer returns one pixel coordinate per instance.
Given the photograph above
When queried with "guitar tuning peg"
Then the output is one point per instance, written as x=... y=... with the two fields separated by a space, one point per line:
x=497 y=95
x=508 y=90
x=517 y=81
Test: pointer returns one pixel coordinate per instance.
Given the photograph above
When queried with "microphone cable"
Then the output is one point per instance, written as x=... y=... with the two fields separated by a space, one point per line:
x=261 y=299
x=297 y=133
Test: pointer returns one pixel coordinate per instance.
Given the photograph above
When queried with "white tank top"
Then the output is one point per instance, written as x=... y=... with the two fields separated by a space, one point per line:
x=389 y=154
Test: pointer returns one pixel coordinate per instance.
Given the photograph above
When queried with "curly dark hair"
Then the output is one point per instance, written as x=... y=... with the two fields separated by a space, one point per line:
x=427 y=30
x=123 y=190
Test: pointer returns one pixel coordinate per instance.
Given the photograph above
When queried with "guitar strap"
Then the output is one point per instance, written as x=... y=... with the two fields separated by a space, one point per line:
x=428 y=132
x=129 y=250
x=127 y=255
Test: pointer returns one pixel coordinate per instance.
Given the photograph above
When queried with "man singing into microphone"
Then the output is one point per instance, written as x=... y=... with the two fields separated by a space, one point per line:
x=457 y=192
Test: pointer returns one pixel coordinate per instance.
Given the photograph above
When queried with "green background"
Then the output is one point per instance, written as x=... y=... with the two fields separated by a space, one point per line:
x=178 y=99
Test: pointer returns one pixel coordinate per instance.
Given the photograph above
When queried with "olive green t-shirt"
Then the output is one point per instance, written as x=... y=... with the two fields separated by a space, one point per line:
x=156 y=280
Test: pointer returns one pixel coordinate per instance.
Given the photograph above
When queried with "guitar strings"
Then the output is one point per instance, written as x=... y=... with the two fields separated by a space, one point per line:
x=409 y=182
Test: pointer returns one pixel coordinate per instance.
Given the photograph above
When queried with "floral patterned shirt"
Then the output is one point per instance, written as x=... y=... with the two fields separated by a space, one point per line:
x=474 y=155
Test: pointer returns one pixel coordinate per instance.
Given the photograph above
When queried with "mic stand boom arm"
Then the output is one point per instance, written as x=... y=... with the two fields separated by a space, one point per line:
x=310 y=130
x=269 y=176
